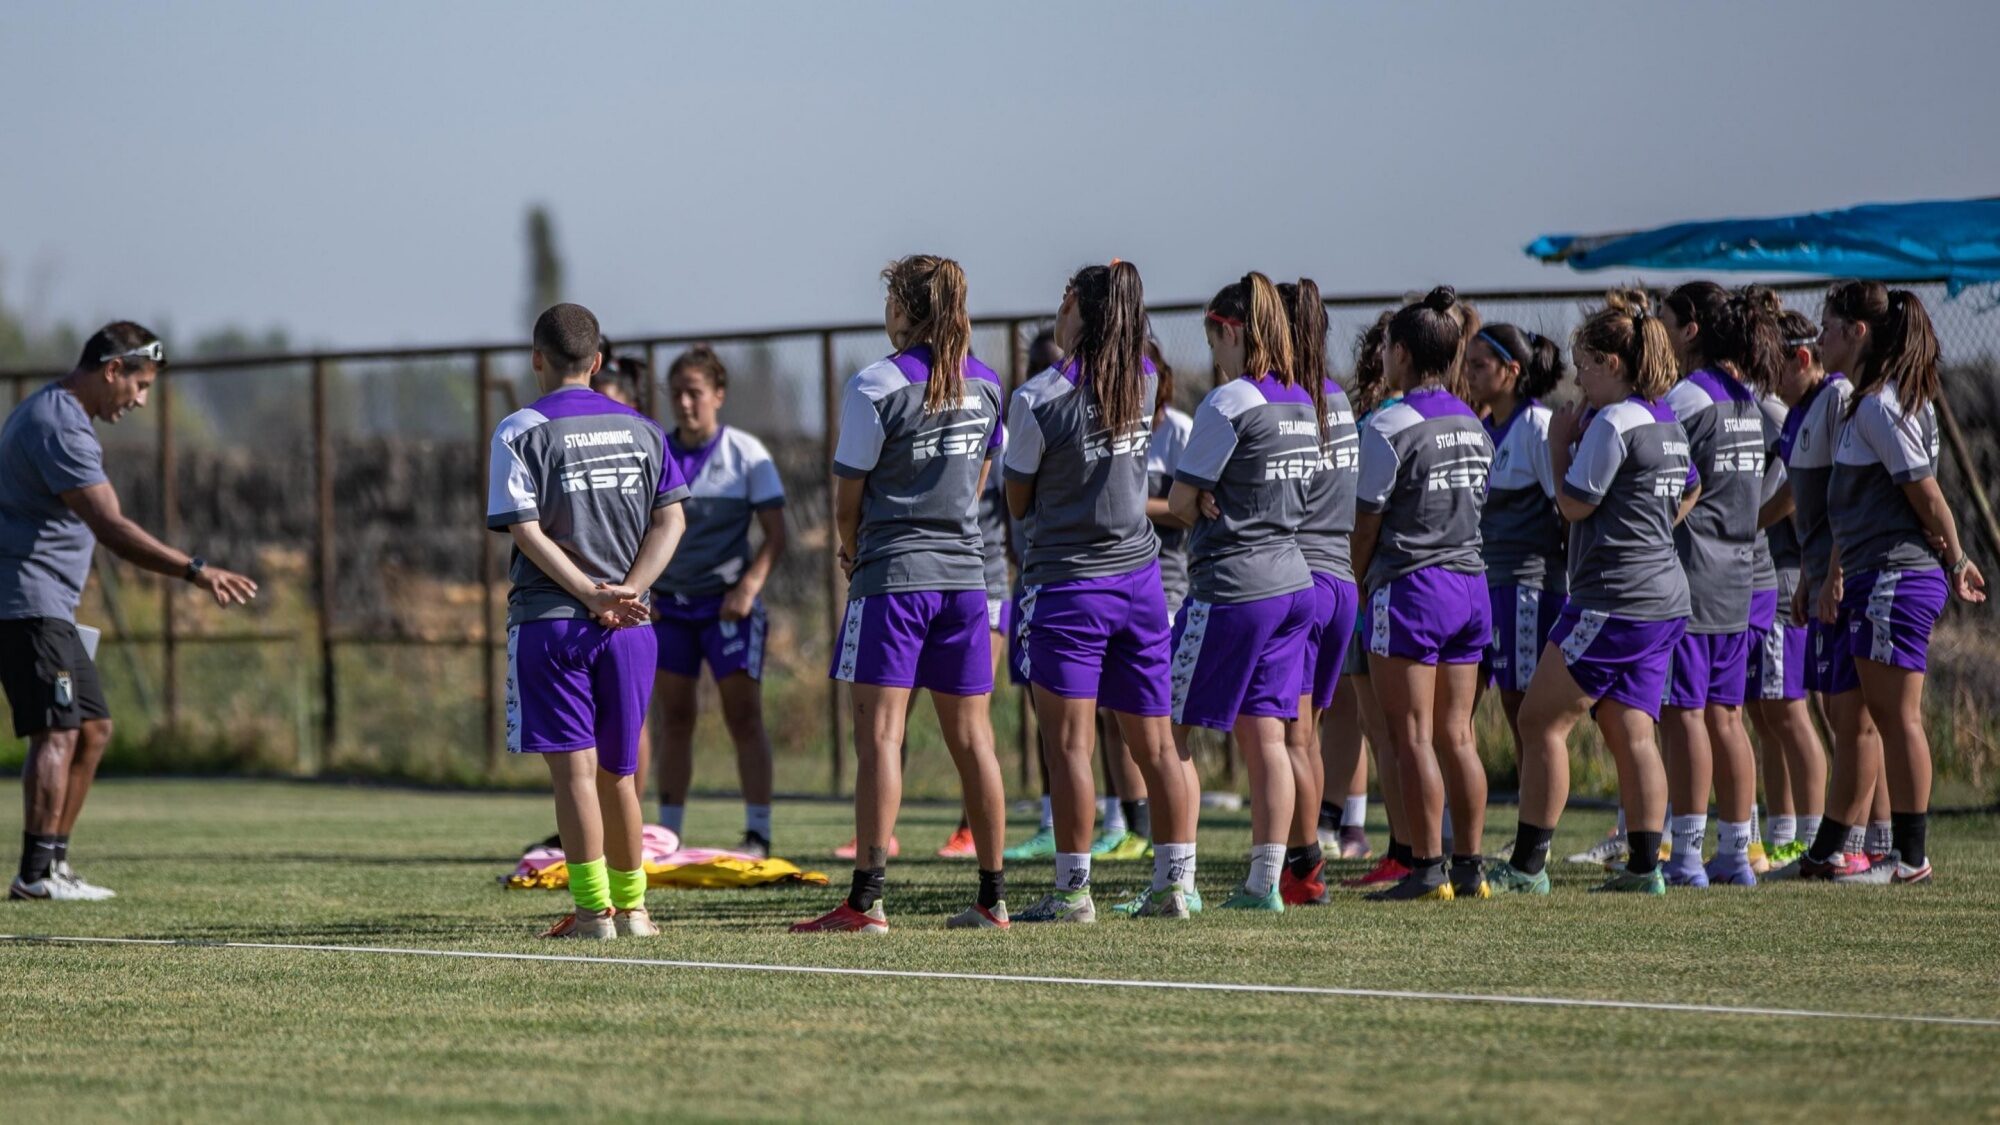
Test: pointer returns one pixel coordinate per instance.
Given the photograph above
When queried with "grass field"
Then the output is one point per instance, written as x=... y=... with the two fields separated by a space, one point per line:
x=107 y=1032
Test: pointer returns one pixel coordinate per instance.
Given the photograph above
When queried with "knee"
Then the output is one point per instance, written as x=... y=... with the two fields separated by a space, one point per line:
x=745 y=721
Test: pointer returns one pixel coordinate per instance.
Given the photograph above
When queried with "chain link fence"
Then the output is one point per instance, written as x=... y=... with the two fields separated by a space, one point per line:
x=351 y=484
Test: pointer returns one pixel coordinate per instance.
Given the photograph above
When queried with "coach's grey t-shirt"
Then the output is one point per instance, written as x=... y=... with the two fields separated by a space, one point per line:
x=1090 y=483
x=1881 y=449
x=1717 y=541
x=46 y=448
x=1255 y=446
x=920 y=505
x=1424 y=463
x=1811 y=431
x=590 y=472
x=1632 y=462
x=1163 y=456
x=1326 y=537
x=729 y=480
x=1520 y=531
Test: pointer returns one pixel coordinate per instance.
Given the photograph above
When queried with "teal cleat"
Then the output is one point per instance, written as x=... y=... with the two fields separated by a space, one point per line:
x=1042 y=845
x=1169 y=903
x=1505 y=878
x=1061 y=906
x=1623 y=881
x=1108 y=841
x=1268 y=902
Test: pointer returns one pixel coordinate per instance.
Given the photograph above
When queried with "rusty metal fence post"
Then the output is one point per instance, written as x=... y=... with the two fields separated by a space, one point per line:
x=323 y=568
x=482 y=376
x=836 y=584
x=170 y=532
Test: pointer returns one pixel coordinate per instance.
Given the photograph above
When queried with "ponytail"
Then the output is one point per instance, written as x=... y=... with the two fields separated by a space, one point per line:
x=1902 y=345
x=1627 y=329
x=1368 y=369
x=1111 y=344
x=1541 y=361
x=1746 y=336
x=1253 y=305
x=931 y=291
x=1434 y=336
x=1308 y=316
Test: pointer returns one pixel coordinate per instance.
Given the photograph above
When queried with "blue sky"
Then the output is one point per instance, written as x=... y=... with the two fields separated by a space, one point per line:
x=357 y=173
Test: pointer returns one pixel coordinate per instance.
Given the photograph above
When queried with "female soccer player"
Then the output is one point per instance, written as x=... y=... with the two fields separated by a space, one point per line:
x=1239 y=640
x=708 y=606
x=1721 y=341
x=1885 y=586
x=1626 y=484
x=1094 y=616
x=1424 y=463
x=1324 y=540
x=918 y=431
x=1507 y=371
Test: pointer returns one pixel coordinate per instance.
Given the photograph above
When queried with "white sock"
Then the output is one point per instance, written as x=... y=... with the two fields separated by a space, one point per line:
x=1354 y=813
x=1857 y=840
x=671 y=816
x=1187 y=868
x=1265 y=861
x=1783 y=830
x=1048 y=812
x=1808 y=829
x=1072 y=871
x=1169 y=863
x=1754 y=837
x=1688 y=834
x=757 y=818
x=1112 y=812
x=1732 y=838
x=1880 y=837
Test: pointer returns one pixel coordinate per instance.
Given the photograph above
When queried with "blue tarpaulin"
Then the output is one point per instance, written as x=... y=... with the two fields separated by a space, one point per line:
x=1957 y=242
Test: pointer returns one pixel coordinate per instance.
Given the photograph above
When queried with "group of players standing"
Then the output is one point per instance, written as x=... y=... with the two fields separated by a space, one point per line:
x=1717 y=506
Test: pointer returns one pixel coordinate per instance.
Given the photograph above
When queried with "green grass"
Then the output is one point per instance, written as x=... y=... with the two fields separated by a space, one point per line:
x=220 y=1034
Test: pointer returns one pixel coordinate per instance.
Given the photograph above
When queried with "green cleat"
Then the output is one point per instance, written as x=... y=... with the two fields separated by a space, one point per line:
x=1193 y=896
x=1169 y=903
x=1269 y=902
x=1061 y=906
x=1042 y=845
x=1107 y=842
x=1787 y=853
x=1505 y=878
x=1623 y=881
x=1132 y=848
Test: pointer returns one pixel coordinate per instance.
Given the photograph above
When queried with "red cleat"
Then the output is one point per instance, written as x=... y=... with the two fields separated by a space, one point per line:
x=1386 y=870
x=848 y=850
x=1309 y=891
x=844 y=919
x=960 y=846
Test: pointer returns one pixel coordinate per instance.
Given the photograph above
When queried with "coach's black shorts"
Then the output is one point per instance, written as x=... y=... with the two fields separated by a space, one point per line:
x=50 y=680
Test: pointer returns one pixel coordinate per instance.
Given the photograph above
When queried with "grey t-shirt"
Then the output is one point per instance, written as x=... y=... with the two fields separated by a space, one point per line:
x=993 y=530
x=1811 y=431
x=1326 y=538
x=920 y=503
x=1778 y=542
x=1717 y=541
x=1090 y=484
x=46 y=448
x=590 y=471
x=729 y=480
x=1521 y=532
x=1423 y=467
x=1163 y=456
x=1881 y=449
x=1255 y=446
x=1632 y=462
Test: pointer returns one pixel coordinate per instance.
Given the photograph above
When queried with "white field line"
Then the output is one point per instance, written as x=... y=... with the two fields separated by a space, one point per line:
x=1011 y=978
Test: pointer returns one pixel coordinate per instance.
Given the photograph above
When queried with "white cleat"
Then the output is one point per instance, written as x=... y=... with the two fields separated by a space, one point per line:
x=586 y=925
x=1606 y=852
x=635 y=923
x=49 y=889
x=92 y=892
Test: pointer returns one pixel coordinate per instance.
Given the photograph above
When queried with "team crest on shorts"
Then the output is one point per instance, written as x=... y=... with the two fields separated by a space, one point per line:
x=65 y=690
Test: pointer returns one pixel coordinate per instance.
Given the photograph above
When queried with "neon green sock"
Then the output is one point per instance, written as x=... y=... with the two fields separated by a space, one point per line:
x=589 y=885
x=628 y=889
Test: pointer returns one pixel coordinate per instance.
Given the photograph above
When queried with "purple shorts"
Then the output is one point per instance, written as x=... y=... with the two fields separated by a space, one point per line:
x=1710 y=669
x=1763 y=610
x=574 y=684
x=1886 y=616
x=931 y=639
x=1778 y=663
x=1523 y=618
x=1101 y=638
x=691 y=630
x=1821 y=649
x=1240 y=659
x=1616 y=658
x=1336 y=604
x=1017 y=642
x=1432 y=616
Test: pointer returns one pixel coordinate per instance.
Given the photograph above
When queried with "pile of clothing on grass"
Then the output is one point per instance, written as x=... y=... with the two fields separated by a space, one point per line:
x=668 y=864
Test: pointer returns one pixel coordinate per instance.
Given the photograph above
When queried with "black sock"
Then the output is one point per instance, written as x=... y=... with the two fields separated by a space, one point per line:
x=1301 y=861
x=1138 y=818
x=1645 y=851
x=1428 y=870
x=1329 y=816
x=62 y=848
x=1831 y=841
x=1402 y=853
x=1908 y=829
x=867 y=889
x=1531 y=848
x=992 y=888
x=1467 y=870
x=38 y=854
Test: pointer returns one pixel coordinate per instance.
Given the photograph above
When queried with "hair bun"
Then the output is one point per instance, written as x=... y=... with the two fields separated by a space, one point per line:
x=1441 y=299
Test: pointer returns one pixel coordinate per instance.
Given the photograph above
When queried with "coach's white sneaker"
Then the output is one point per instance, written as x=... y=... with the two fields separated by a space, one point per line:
x=49 y=889
x=91 y=891
x=587 y=925
x=635 y=923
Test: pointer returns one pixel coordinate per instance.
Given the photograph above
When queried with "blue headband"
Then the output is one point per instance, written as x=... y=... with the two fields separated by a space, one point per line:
x=1505 y=355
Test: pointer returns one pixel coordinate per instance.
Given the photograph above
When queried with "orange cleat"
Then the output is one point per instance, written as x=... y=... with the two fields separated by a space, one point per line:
x=960 y=846
x=844 y=919
x=1309 y=891
x=1386 y=870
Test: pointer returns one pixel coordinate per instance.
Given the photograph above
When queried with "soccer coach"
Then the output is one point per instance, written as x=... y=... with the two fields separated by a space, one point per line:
x=55 y=505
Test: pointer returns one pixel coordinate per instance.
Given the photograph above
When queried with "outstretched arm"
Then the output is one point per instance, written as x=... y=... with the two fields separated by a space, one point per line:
x=97 y=505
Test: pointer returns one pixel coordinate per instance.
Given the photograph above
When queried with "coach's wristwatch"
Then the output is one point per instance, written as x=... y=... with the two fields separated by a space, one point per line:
x=195 y=566
x=1964 y=560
